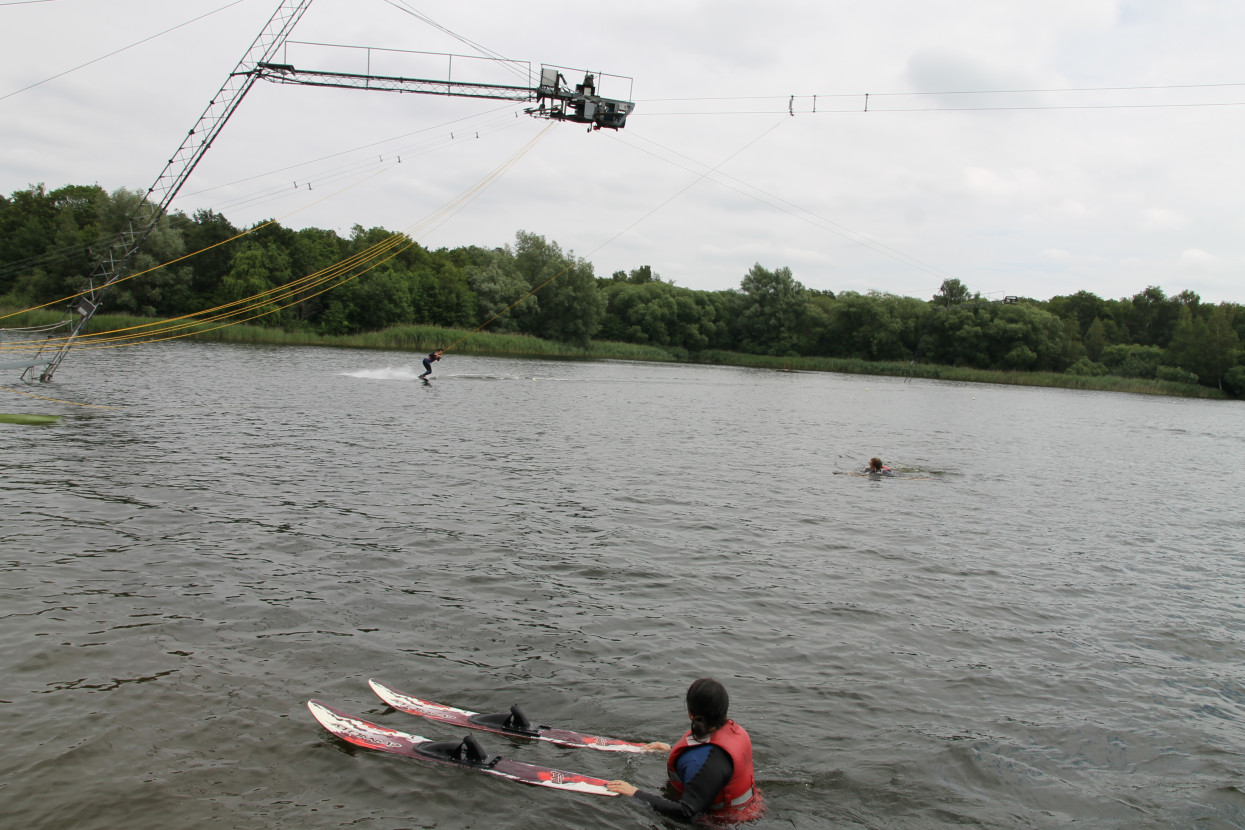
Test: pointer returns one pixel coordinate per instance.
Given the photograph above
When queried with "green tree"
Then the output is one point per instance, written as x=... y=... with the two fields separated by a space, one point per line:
x=155 y=284
x=995 y=336
x=639 y=313
x=1087 y=368
x=204 y=236
x=571 y=307
x=256 y=273
x=442 y=296
x=698 y=326
x=1152 y=317
x=1071 y=349
x=1132 y=361
x=951 y=292
x=638 y=276
x=1095 y=339
x=381 y=298
x=313 y=252
x=1234 y=381
x=26 y=237
x=46 y=241
x=1024 y=336
x=497 y=286
x=1207 y=348
x=1083 y=305
x=657 y=313
x=727 y=307
x=871 y=326
x=775 y=305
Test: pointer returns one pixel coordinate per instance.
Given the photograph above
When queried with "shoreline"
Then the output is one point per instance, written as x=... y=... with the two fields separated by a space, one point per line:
x=426 y=338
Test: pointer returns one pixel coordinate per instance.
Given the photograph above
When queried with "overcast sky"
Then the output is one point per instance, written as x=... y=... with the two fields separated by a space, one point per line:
x=1025 y=147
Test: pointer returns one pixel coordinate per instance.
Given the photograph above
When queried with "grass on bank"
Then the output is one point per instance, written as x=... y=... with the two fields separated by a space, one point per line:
x=427 y=338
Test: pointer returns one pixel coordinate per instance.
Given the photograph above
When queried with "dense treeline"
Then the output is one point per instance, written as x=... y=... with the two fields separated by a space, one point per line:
x=48 y=240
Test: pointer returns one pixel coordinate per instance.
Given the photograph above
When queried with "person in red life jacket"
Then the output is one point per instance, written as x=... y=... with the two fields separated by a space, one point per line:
x=429 y=360
x=877 y=468
x=710 y=768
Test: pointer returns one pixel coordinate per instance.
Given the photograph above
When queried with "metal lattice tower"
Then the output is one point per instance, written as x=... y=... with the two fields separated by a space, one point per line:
x=143 y=220
x=554 y=97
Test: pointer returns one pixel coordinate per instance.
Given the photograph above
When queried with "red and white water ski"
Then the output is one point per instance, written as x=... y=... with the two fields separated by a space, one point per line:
x=466 y=753
x=513 y=723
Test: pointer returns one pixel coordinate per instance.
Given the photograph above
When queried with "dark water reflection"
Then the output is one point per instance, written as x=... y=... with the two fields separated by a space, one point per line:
x=1039 y=622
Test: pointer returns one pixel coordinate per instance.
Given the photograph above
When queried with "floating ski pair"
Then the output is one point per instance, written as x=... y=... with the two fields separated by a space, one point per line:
x=468 y=752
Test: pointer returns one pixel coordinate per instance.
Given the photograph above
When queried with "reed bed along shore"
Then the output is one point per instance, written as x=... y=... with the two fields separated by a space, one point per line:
x=427 y=338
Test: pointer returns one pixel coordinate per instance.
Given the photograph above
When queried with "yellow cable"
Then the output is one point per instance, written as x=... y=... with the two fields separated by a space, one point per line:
x=278 y=294
x=201 y=250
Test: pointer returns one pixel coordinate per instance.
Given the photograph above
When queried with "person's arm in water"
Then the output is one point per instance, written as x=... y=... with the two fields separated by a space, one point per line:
x=698 y=794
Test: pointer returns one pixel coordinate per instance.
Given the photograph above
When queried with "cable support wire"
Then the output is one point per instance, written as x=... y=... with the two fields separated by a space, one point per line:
x=868 y=101
x=116 y=51
x=778 y=203
x=788 y=109
x=36 y=329
x=140 y=273
x=271 y=194
x=231 y=312
x=412 y=150
x=403 y=6
x=182 y=258
x=259 y=301
x=263 y=304
x=277 y=193
x=333 y=176
x=58 y=254
x=640 y=219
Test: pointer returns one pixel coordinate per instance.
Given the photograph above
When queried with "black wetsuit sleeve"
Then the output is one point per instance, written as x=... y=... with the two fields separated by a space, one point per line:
x=699 y=793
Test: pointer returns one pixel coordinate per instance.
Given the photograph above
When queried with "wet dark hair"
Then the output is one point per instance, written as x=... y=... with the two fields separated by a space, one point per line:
x=707 y=702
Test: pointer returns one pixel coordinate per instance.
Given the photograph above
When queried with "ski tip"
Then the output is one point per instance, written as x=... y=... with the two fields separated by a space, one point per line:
x=321 y=713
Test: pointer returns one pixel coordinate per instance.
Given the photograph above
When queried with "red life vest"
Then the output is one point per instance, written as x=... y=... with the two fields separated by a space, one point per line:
x=732 y=739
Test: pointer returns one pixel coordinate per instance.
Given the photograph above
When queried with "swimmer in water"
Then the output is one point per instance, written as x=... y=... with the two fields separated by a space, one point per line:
x=877 y=468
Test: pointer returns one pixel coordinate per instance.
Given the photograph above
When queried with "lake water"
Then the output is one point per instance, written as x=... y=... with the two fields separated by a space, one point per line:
x=1039 y=622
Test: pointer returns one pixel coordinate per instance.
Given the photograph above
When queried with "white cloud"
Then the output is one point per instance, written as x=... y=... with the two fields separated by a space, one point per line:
x=1004 y=187
x=1197 y=258
x=1161 y=219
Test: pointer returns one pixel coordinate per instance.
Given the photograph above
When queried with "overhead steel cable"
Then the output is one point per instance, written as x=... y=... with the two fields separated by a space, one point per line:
x=194 y=253
x=637 y=221
x=445 y=125
x=508 y=63
x=1150 y=88
x=390 y=159
x=119 y=51
x=790 y=208
x=269 y=301
x=61 y=300
x=811 y=103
